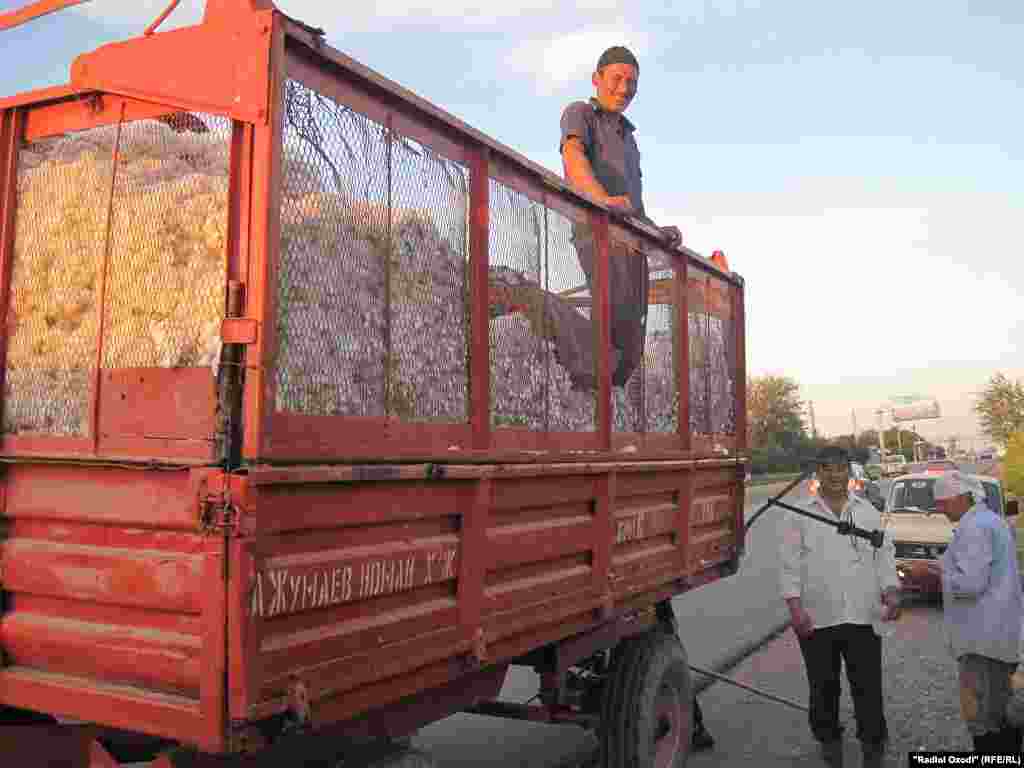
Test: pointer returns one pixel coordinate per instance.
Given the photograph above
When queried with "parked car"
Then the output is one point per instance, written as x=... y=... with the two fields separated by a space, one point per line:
x=938 y=466
x=921 y=533
x=860 y=484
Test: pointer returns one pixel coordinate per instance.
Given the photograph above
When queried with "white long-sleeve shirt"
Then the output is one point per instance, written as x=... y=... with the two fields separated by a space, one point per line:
x=981 y=590
x=839 y=579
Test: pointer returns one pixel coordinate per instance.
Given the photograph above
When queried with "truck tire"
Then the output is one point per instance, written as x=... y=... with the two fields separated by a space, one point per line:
x=647 y=710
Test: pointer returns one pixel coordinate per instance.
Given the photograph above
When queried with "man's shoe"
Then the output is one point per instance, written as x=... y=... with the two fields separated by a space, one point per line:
x=832 y=753
x=1010 y=740
x=701 y=740
x=873 y=755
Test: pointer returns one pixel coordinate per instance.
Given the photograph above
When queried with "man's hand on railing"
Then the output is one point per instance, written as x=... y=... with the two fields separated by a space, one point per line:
x=673 y=237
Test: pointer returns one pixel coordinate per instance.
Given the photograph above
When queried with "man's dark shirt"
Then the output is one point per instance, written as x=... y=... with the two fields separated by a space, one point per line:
x=610 y=147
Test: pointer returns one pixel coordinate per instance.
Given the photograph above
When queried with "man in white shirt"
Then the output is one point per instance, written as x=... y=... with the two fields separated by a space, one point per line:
x=836 y=586
x=982 y=609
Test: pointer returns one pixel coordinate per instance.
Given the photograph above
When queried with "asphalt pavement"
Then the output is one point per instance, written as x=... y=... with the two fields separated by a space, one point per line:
x=921 y=701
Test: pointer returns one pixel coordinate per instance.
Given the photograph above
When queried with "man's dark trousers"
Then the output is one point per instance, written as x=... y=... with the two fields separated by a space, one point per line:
x=860 y=649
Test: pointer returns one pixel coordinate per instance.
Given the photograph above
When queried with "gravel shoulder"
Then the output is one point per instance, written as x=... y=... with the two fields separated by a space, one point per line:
x=921 y=700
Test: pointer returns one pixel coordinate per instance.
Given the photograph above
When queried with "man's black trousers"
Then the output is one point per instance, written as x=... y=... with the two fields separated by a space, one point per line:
x=860 y=649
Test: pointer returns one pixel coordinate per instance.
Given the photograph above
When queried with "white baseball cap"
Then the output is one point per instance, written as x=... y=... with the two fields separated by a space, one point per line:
x=949 y=485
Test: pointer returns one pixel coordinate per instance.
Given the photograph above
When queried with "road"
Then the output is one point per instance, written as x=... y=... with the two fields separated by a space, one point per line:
x=716 y=622
x=919 y=684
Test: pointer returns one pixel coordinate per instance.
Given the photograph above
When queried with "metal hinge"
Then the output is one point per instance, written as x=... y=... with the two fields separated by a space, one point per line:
x=217 y=516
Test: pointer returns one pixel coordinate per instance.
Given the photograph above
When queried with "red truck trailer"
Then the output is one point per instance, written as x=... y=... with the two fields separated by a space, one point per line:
x=293 y=456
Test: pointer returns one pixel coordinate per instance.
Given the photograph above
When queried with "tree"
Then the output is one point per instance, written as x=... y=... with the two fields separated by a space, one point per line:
x=776 y=434
x=1013 y=465
x=773 y=412
x=1000 y=409
x=897 y=441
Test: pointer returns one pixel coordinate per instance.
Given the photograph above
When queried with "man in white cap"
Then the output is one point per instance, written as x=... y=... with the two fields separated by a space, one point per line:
x=983 y=607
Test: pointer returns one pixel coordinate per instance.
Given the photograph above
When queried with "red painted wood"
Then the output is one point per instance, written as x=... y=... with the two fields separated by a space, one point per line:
x=474 y=561
x=739 y=314
x=146 y=579
x=11 y=125
x=213 y=655
x=480 y=361
x=123 y=707
x=104 y=653
x=682 y=350
x=175 y=403
x=599 y=225
x=218 y=83
x=298 y=437
x=602 y=540
x=264 y=238
x=61 y=117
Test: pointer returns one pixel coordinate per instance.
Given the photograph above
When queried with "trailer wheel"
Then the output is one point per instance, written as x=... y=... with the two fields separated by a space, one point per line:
x=647 y=713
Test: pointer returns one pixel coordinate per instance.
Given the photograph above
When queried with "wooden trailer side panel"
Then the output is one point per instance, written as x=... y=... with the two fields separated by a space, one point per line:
x=114 y=606
x=353 y=594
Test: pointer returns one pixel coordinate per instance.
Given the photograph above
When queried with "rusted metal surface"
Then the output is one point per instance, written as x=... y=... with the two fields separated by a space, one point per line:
x=11 y=19
x=359 y=574
x=11 y=125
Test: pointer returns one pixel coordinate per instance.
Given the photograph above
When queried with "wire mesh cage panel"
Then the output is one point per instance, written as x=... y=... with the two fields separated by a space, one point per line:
x=159 y=242
x=660 y=378
x=372 y=295
x=572 y=388
x=166 y=272
x=721 y=358
x=712 y=357
x=58 y=247
x=520 y=350
x=429 y=292
x=628 y=287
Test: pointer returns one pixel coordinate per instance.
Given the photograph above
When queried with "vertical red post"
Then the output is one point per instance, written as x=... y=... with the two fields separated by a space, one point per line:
x=604 y=534
x=101 y=301
x=239 y=205
x=682 y=349
x=212 y=683
x=11 y=124
x=740 y=393
x=473 y=566
x=739 y=320
x=601 y=308
x=480 y=362
x=264 y=250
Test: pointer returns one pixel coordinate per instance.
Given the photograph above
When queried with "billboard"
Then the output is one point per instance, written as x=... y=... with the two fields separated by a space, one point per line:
x=916 y=410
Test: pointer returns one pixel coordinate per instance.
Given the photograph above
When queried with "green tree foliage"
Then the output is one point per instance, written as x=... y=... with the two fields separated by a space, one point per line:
x=1013 y=464
x=1000 y=409
x=776 y=435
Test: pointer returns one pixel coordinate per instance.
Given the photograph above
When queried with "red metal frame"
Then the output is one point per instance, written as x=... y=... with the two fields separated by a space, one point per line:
x=11 y=125
x=539 y=548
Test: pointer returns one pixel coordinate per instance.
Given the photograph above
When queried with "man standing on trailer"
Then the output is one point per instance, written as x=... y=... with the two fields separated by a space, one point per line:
x=982 y=610
x=601 y=159
x=836 y=587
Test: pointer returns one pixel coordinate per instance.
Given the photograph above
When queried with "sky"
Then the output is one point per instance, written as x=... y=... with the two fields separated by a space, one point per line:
x=861 y=164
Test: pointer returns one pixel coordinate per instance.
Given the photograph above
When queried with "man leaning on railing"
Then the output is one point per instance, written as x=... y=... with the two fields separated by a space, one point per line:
x=601 y=159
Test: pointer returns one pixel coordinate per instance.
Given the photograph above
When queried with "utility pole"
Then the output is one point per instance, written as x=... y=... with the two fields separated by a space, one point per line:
x=853 y=413
x=814 y=429
x=881 y=434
